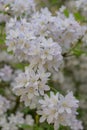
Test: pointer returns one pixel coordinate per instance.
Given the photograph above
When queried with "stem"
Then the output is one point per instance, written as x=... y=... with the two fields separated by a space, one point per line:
x=54 y=89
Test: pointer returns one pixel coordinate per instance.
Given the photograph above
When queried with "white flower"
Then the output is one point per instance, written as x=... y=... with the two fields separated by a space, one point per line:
x=58 y=111
x=4 y=105
x=44 y=76
x=75 y=124
x=29 y=120
x=17 y=7
x=13 y=121
x=2 y=120
x=31 y=84
x=16 y=119
x=3 y=18
x=6 y=73
x=68 y=103
x=49 y=108
x=20 y=6
x=8 y=58
x=82 y=6
x=32 y=103
x=28 y=45
x=67 y=31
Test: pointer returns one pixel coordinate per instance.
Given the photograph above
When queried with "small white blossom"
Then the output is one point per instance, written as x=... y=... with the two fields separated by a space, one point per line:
x=29 y=120
x=30 y=84
x=17 y=8
x=16 y=119
x=4 y=105
x=68 y=103
x=6 y=73
x=58 y=109
x=27 y=45
x=82 y=6
x=12 y=122
x=22 y=6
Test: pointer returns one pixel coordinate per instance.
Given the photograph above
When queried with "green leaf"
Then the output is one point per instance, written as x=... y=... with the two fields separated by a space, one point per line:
x=53 y=1
x=79 y=17
x=24 y=126
x=64 y=128
x=25 y=110
x=66 y=13
x=2 y=33
x=78 y=52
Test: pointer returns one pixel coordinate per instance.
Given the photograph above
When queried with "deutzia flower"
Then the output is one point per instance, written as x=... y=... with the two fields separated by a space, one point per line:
x=16 y=119
x=82 y=6
x=68 y=103
x=29 y=120
x=67 y=31
x=13 y=121
x=18 y=7
x=8 y=58
x=4 y=105
x=57 y=109
x=39 y=40
x=6 y=73
x=22 y=7
x=2 y=120
x=30 y=84
x=64 y=30
x=27 y=45
x=48 y=54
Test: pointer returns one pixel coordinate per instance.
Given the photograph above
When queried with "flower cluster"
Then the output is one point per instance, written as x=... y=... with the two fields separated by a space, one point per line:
x=17 y=7
x=82 y=6
x=30 y=85
x=39 y=40
x=15 y=121
x=7 y=58
x=59 y=110
x=41 y=28
x=28 y=45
